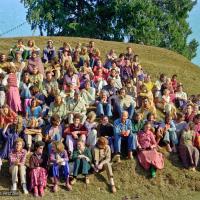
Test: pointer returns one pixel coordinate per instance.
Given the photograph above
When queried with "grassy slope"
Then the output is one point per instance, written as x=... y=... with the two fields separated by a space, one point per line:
x=171 y=183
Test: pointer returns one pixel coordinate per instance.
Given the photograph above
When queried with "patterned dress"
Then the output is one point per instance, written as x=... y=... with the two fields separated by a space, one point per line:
x=38 y=173
x=147 y=156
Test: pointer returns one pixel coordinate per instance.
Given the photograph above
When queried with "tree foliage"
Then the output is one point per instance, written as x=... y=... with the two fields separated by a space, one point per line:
x=160 y=23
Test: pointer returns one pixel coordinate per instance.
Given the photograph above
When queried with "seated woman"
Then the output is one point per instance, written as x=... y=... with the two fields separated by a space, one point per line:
x=66 y=55
x=24 y=88
x=57 y=108
x=85 y=73
x=137 y=125
x=18 y=47
x=49 y=52
x=34 y=111
x=102 y=160
x=167 y=104
x=9 y=136
x=17 y=159
x=7 y=115
x=114 y=75
x=35 y=60
x=73 y=132
x=38 y=172
x=103 y=106
x=36 y=78
x=126 y=71
x=148 y=156
x=66 y=47
x=82 y=158
x=71 y=77
x=188 y=152
x=99 y=80
x=144 y=92
x=146 y=108
x=83 y=56
x=59 y=166
x=110 y=57
x=31 y=46
x=180 y=97
x=169 y=133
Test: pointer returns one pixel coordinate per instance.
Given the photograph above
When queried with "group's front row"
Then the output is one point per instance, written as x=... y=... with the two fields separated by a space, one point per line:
x=35 y=168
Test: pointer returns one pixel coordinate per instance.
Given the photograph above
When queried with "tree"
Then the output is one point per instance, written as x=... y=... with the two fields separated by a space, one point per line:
x=161 y=23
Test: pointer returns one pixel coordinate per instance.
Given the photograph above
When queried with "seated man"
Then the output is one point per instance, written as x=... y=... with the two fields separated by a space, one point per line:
x=74 y=106
x=123 y=131
x=125 y=102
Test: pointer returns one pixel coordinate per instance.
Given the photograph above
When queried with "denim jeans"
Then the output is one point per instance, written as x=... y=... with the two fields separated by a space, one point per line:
x=104 y=109
x=131 y=139
x=130 y=110
x=171 y=136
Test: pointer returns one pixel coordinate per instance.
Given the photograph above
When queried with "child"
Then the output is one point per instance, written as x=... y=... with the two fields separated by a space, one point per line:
x=38 y=173
x=17 y=159
x=102 y=158
x=82 y=158
x=59 y=166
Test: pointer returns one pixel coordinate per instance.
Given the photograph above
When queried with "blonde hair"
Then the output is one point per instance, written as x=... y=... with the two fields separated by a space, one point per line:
x=59 y=146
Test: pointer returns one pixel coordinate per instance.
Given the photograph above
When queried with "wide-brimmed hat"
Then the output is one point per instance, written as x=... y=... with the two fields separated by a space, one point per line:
x=102 y=142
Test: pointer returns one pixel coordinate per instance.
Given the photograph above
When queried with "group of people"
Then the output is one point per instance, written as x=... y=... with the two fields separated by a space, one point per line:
x=67 y=112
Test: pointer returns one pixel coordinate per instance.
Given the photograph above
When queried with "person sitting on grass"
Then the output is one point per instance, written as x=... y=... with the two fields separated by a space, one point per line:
x=59 y=166
x=38 y=173
x=148 y=156
x=17 y=159
x=123 y=131
x=189 y=154
x=82 y=158
x=102 y=158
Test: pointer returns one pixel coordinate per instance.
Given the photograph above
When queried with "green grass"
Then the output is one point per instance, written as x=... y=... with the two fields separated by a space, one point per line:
x=154 y=60
x=173 y=182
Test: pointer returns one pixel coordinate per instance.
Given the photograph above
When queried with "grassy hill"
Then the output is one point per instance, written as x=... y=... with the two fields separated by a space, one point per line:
x=154 y=60
x=173 y=182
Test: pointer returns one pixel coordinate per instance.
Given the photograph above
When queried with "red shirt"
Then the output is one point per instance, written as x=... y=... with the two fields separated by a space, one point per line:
x=81 y=128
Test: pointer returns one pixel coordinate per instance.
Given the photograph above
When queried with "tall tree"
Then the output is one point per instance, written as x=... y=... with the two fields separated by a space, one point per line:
x=160 y=23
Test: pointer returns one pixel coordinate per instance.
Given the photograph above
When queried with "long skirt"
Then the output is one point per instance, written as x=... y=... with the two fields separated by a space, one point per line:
x=189 y=155
x=38 y=177
x=148 y=158
x=13 y=99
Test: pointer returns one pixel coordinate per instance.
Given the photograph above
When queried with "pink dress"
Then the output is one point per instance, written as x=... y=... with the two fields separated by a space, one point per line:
x=148 y=157
x=13 y=97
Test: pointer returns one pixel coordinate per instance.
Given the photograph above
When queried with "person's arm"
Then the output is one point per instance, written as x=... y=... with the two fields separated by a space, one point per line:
x=23 y=158
x=107 y=158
